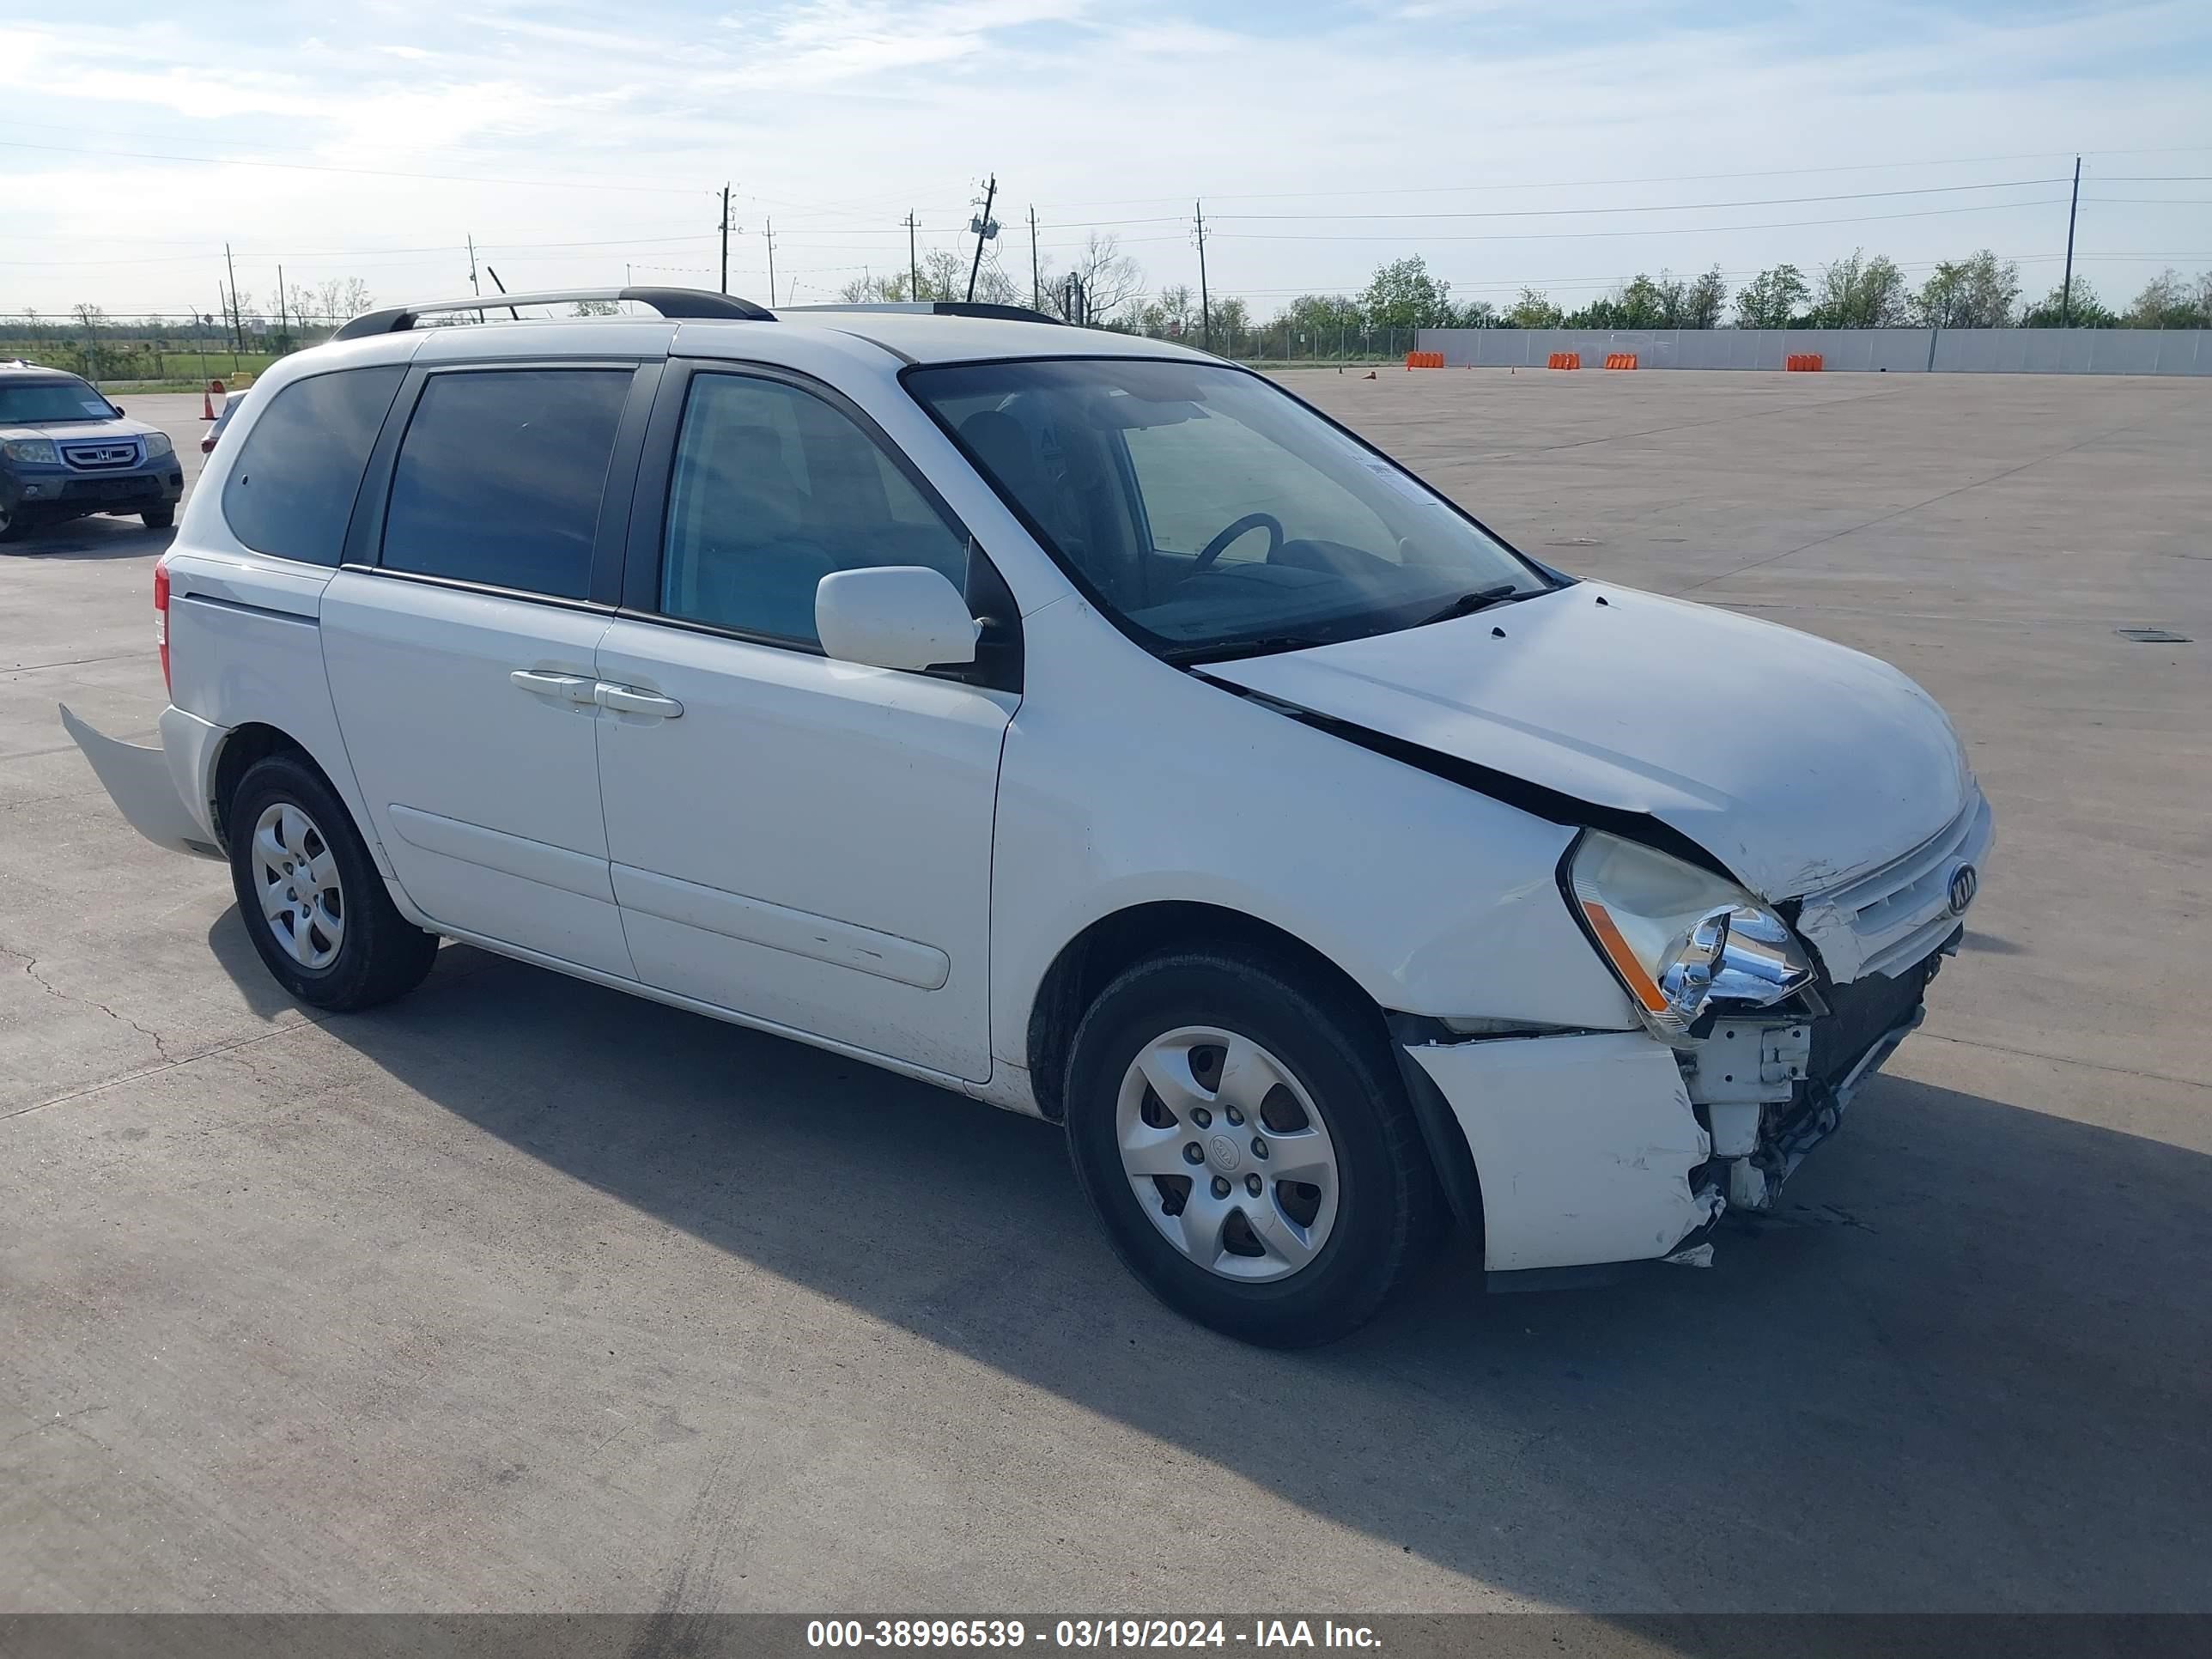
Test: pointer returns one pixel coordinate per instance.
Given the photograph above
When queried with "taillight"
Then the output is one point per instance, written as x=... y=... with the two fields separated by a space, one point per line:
x=161 y=616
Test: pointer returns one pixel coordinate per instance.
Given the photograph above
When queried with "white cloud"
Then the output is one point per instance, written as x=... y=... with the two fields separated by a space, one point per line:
x=835 y=117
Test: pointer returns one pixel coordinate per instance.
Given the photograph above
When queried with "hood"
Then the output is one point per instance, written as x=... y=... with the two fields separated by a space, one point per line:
x=78 y=432
x=1797 y=763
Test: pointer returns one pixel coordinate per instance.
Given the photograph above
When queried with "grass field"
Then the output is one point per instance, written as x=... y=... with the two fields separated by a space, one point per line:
x=141 y=365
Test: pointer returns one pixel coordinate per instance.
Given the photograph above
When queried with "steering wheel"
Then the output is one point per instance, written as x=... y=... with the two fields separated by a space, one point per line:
x=1214 y=548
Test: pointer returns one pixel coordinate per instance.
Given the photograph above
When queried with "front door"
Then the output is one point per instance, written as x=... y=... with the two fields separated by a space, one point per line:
x=804 y=842
x=462 y=662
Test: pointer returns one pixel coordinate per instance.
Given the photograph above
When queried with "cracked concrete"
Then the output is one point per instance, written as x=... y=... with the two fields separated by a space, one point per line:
x=31 y=967
x=524 y=1295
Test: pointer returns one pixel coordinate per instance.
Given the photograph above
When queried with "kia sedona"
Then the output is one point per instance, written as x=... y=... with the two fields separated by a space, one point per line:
x=1072 y=721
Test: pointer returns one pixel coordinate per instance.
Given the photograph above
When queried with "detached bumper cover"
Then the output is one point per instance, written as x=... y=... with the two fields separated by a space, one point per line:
x=160 y=791
x=1584 y=1147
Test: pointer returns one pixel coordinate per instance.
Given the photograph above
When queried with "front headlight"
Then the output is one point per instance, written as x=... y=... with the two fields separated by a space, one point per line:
x=1683 y=940
x=158 y=444
x=36 y=452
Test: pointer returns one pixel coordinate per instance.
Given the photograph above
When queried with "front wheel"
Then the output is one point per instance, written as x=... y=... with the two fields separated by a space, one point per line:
x=310 y=896
x=1245 y=1141
x=159 y=517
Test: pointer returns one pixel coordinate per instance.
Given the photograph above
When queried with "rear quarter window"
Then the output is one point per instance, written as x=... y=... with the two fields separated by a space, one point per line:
x=499 y=478
x=292 y=488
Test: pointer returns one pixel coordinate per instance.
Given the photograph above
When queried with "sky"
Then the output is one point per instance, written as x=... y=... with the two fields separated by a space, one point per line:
x=1566 y=145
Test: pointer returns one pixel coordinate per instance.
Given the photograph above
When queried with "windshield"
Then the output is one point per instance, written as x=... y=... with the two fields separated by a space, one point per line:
x=1211 y=511
x=26 y=403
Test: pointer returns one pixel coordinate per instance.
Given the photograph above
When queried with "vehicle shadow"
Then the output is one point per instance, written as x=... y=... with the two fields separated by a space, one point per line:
x=1965 y=1366
x=95 y=537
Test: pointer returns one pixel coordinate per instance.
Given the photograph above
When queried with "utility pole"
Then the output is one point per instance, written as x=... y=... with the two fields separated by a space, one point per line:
x=1037 y=283
x=237 y=327
x=986 y=228
x=279 y=307
x=2066 y=292
x=770 y=235
x=913 y=260
x=1204 y=305
x=725 y=245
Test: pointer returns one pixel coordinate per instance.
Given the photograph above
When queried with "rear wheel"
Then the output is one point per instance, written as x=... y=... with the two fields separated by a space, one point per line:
x=159 y=517
x=1248 y=1146
x=310 y=896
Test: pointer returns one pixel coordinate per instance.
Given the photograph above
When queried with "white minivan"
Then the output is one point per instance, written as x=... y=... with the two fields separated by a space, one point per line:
x=1070 y=720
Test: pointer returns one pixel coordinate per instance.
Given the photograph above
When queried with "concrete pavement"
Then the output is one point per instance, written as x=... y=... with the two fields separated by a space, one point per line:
x=525 y=1295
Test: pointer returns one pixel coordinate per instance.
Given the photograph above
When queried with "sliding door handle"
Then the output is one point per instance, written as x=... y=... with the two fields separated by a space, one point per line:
x=629 y=699
x=546 y=683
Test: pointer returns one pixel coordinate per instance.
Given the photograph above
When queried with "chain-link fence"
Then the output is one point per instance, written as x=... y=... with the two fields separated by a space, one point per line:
x=152 y=351
x=1287 y=345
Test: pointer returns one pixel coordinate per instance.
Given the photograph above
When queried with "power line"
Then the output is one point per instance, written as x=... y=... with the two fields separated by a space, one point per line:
x=1648 y=230
x=1658 y=207
x=1666 y=179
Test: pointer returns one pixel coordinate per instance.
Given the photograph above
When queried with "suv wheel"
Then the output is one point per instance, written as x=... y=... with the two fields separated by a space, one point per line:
x=159 y=517
x=1246 y=1142
x=11 y=526
x=310 y=897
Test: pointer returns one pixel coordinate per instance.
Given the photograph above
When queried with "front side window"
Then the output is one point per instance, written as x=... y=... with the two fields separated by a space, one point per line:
x=773 y=490
x=291 y=490
x=499 y=476
x=1211 y=511
x=63 y=397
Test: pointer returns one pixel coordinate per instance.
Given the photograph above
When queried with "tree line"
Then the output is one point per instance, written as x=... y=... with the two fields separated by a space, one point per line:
x=1860 y=290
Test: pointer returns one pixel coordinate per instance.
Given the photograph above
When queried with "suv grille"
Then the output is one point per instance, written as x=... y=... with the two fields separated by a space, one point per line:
x=101 y=458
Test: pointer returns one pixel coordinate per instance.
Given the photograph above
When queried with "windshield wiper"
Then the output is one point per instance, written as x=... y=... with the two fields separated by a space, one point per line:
x=1225 y=650
x=1467 y=604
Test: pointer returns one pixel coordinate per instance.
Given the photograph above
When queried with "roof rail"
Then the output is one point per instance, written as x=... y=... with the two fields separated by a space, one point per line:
x=684 y=302
x=941 y=309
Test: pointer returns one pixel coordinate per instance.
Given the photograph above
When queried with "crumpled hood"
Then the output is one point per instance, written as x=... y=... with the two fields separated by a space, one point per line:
x=1797 y=763
x=78 y=432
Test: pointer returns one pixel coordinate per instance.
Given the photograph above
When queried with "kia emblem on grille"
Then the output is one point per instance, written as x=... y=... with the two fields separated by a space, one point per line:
x=1964 y=884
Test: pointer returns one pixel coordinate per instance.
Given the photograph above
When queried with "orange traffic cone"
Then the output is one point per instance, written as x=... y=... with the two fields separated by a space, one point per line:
x=207 y=399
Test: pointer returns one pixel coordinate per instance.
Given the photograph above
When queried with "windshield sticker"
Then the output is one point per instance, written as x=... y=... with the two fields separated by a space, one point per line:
x=93 y=408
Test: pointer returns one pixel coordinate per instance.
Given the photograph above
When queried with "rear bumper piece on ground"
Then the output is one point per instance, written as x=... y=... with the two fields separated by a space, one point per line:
x=160 y=791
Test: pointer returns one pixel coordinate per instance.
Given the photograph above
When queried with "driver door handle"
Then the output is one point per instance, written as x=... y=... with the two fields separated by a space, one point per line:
x=629 y=699
x=561 y=688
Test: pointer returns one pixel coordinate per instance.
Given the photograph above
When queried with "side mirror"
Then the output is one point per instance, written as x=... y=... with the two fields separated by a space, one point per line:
x=117 y=408
x=894 y=616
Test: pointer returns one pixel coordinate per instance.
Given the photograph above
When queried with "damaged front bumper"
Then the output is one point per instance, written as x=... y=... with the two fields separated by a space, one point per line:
x=1593 y=1151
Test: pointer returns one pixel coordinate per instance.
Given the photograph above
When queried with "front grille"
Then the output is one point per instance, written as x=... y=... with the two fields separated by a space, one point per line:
x=1860 y=1015
x=1896 y=915
x=101 y=458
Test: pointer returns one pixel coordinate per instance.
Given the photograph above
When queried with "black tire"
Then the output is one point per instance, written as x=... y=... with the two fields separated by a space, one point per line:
x=13 y=526
x=1389 y=1209
x=379 y=954
x=159 y=517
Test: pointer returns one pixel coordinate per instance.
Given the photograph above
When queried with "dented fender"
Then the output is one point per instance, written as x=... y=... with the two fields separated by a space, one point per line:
x=160 y=791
